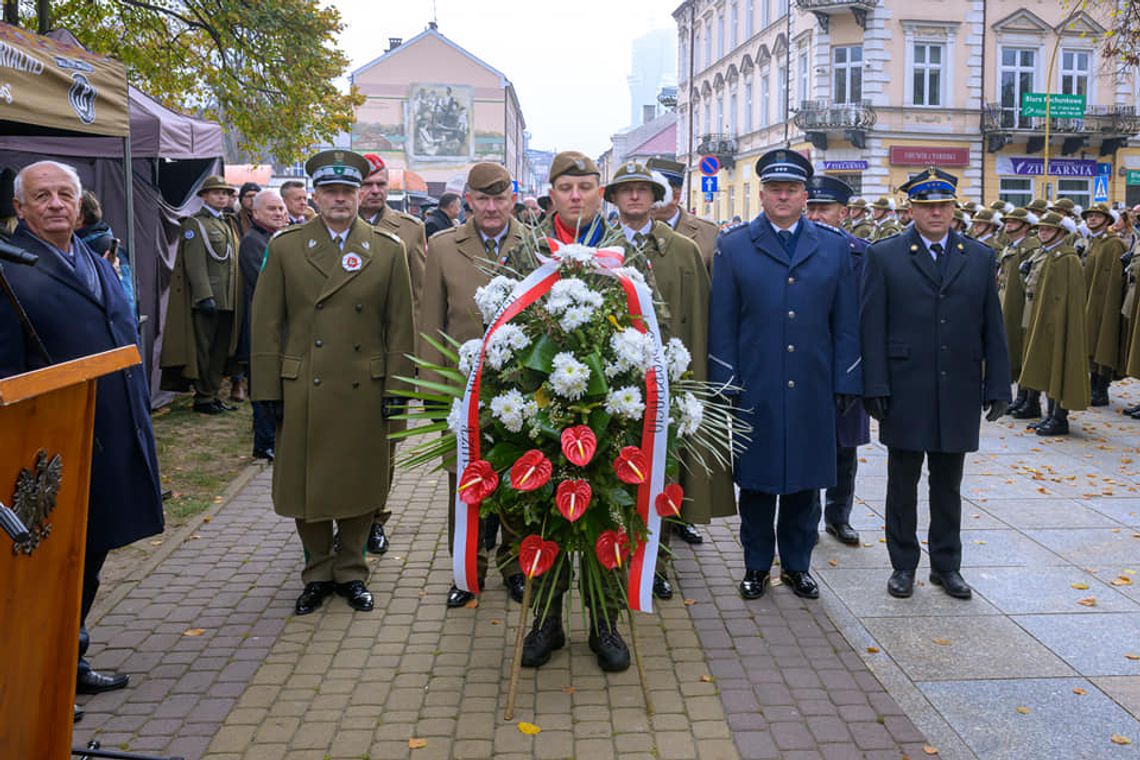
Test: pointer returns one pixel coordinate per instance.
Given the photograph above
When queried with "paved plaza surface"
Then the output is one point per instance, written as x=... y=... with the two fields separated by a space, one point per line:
x=1044 y=662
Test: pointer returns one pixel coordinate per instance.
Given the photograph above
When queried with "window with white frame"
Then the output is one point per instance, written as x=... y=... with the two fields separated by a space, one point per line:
x=854 y=180
x=749 y=18
x=733 y=21
x=1075 y=67
x=683 y=59
x=731 y=202
x=765 y=13
x=747 y=195
x=733 y=124
x=1076 y=190
x=708 y=120
x=926 y=79
x=781 y=8
x=747 y=106
x=708 y=45
x=720 y=36
x=1017 y=75
x=765 y=97
x=782 y=90
x=719 y=126
x=803 y=75
x=847 y=73
x=1016 y=190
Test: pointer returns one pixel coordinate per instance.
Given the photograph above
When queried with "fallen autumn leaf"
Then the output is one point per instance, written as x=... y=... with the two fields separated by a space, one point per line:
x=416 y=743
x=528 y=728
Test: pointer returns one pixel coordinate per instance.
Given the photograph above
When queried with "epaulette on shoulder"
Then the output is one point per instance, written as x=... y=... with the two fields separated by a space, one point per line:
x=829 y=228
x=445 y=232
x=287 y=230
x=387 y=234
x=888 y=237
x=406 y=215
x=732 y=227
x=708 y=222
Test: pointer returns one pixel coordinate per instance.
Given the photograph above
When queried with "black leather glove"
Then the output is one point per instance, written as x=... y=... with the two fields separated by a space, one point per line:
x=207 y=306
x=995 y=410
x=391 y=407
x=876 y=407
x=1024 y=267
x=844 y=403
x=1126 y=259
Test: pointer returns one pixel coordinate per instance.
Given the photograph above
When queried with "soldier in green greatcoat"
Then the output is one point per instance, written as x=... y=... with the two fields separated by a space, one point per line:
x=204 y=310
x=882 y=216
x=1104 y=280
x=1020 y=245
x=984 y=227
x=671 y=211
x=331 y=330
x=859 y=224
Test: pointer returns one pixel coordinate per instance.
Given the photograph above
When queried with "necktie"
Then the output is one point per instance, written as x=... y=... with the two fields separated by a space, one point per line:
x=638 y=239
x=939 y=257
x=340 y=242
x=491 y=246
x=785 y=238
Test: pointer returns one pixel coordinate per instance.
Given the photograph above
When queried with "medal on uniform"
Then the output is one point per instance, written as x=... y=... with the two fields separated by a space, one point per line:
x=351 y=262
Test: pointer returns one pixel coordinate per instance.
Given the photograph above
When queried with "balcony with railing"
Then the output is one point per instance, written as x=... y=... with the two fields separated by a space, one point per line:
x=723 y=146
x=821 y=117
x=1113 y=125
x=823 y=10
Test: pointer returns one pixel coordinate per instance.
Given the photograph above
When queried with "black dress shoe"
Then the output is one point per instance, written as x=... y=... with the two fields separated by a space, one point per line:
x=357 y=594
x=609 y=648
x=377 y=540
x=753 y=585
x=1130 y=410
x=801 y=583
x=94 y=682
x=226 y=407
x=313 y=597
x=662 y=588
x=210 y=407
x=901 y=584
x=78 y=714
x=541 y=642
x=688 y=533
x=266 y=454
x=1053 y=426
x=952 y=583
x=516 y=584
x=844 y=532
x=457 y=597
x=1135 y=415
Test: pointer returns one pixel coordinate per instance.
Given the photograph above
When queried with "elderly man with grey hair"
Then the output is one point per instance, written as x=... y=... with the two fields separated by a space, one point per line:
x=75 y=303
x=269 y=215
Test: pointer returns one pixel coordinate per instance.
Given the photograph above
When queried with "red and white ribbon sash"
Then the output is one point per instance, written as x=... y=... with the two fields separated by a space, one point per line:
x=465 y=545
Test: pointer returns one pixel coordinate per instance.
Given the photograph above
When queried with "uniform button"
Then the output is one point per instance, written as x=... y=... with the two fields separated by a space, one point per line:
x=791 y=315
x=791 y=280
x=318 y=343
x=791 y=383
x=791 y=348
x=943 y=373
x=942 y=321
x=356 y=347
x=316 y=381
x=356 y=384
x=944 y=348
x=320 y=305
x=360 y=307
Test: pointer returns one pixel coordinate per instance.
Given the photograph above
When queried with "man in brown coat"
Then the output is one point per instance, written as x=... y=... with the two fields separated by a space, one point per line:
x=701 y=231
x=458 y=265
x=332 y=328
x=1020 y=245
x=375 y=210
x=1104 y=275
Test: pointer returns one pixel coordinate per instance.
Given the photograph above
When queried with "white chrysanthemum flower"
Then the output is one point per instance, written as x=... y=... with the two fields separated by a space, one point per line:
x=570 y=377
x=491 y=297
x=581 y=254
x=454 y=417
x=513 y=409
x=575 y=317
x=688 y=413
x=469 y=354
x=503 y=344
x=626 y=402
x=633 y=350
x=678 y=358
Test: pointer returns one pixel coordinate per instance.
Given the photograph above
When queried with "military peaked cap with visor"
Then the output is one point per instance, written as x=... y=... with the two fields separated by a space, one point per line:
x=931 y=186
x=633 y=171
x=824 y=189
x=783 y=165
x=338 y=167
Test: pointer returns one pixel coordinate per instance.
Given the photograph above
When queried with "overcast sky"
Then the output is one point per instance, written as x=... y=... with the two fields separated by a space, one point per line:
x=568 y=61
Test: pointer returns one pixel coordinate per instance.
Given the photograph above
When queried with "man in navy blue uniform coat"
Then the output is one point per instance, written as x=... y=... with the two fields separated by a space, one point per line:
x=826 y=204
x=76 y=304
x=783 y=331
x=934 y=354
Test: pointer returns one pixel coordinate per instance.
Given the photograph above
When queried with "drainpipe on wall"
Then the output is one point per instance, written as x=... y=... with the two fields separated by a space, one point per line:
x=689 y=95
x=982 y=104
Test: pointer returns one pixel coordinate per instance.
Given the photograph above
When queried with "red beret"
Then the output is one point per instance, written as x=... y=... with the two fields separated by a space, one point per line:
x=375 y=162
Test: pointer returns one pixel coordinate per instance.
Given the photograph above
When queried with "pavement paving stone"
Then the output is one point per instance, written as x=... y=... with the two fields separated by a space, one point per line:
x=1005 y=588
x=1099 y=648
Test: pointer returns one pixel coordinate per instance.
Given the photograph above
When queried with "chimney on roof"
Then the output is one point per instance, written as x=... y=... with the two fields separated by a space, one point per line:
x=393 y=43
x=433 y=26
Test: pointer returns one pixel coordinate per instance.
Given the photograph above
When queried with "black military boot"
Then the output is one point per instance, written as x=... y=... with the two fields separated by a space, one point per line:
x=544 y=637
x=1020 y=401
x=609 y=647
x=1050 y=405
x=1099 y=384
x=1030 y=409
x=1057 y=424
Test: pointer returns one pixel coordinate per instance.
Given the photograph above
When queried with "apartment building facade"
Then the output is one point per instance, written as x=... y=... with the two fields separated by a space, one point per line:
x=873 y=90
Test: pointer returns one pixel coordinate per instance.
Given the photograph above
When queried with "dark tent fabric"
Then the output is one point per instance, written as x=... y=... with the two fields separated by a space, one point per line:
x=177 y=153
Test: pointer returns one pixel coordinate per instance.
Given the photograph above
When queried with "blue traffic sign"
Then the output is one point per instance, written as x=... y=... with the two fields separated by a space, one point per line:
x=709 y=197
x=709 y=165
x=708 y=185
x=1100 y=189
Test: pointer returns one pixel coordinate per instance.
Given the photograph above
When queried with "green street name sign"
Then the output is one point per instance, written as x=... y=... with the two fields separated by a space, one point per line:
x=1060 y=106
x=1132 y=178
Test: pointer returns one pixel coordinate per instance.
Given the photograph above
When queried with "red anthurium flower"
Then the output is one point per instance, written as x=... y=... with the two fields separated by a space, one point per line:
x=579 y=444
x=478 y=482
x=612 y=547
x=531 y=471
x=572 y=498
x=631 y=466
x=536 y=556
x=669 y=501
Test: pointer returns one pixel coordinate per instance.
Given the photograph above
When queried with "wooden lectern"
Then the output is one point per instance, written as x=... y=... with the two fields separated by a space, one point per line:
x=46 y=422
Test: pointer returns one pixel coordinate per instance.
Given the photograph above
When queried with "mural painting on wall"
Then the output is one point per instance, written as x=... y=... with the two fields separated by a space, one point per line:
x=439 y=117
x=379 y=126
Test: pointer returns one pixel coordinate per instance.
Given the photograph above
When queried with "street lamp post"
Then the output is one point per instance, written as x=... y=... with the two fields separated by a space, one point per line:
x=1049 y=101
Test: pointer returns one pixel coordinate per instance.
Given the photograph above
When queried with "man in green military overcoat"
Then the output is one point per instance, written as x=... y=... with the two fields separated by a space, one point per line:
x=204 y=311
x=1056 y=360
x=683 y=284
x=671 y=211
x=1104 y=277
x=331 y=329
x=1020 y=245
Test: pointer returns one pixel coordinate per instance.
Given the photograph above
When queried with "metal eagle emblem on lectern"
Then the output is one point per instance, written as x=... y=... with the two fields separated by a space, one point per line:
x=35 y=499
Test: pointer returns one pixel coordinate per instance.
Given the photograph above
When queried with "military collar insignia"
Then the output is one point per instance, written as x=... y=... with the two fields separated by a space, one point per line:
x=364 y=244
x=351 y=262
x=961 y=247
x=312 y=243
x=913 y=248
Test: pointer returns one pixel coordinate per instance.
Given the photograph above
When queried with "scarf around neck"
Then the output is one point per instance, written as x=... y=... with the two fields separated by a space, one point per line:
x=589 y=235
